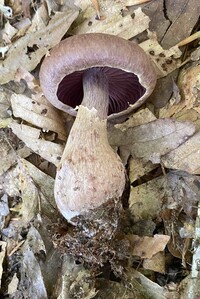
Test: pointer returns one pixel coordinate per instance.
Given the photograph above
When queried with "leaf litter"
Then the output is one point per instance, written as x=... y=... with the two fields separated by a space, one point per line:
x=159 y=147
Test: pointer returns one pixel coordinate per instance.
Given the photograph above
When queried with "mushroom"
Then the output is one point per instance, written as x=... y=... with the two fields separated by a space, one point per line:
x=104 y=77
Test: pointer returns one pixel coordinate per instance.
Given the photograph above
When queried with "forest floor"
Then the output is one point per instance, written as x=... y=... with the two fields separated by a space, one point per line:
x=159 y=238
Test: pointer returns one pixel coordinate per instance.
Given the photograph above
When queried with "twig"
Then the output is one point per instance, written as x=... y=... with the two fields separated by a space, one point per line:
x=189 y=39
x=136 y=2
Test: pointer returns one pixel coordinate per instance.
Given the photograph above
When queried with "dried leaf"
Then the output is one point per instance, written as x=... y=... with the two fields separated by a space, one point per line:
x=12 y=287
x=165 y=61
x=189 y=88
x=4 y=210
x=156 y=263
x=141 y=117
x=27 y=182
x=145 y=201
x=75 y=277
x=186 y=157
x=138 y=168
x=31 y=276
x=20 y=53
x=9 y=155
x=148 y=288
x=113 y=22
x=41 y=115
x=183 y=15
x=146 y=247
x=2 y=256
x=50 y=151
x=151 y=141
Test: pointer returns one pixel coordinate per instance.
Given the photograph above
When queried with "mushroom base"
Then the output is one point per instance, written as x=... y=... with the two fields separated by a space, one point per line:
x=96 y=239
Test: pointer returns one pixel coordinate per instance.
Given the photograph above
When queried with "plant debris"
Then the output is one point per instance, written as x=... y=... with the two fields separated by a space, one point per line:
x=149 y=248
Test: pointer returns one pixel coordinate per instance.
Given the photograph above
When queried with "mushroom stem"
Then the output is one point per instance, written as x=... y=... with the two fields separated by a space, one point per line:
x=95 y=87
x=91 y=175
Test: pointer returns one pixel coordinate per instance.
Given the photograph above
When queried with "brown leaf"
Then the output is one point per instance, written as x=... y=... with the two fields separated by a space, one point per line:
x=146 y=247
x=185 y=157
x=39 y=113
x=145 y=200
x=39 y=42
x=183 y=15
x=50 y=151
x=151 y=141
x=156 y=263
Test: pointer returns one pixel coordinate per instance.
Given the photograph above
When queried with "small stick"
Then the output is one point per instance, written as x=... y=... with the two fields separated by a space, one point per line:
x=97 y=7
x=136 y=2
x=189 y=39
x=16 y=247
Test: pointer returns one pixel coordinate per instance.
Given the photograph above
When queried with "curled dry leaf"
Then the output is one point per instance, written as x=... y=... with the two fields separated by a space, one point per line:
x=189 y=88
x=189 y=84
x=50 y=151
x=41 y=115
x=40 y=41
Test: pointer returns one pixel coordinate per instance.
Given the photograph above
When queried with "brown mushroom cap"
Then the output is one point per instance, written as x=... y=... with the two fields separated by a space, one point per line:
x=131 y=75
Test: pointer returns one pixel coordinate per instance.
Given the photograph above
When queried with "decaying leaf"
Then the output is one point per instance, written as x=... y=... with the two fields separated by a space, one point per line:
x=156 y=263
x=165 y=61
x=185 y=157
x=147 y=288
x=138 y=168
x=5 y=118
x=2 y=256
x=12 y=287
x=9 y=155
x=147 y=247
x=113 y=22
x=48 y=150
x=30 y=268
x=76 y=281
x=39 y=113
x=34 y=189
x=183 y=16
x=189 y=88
x=4 y=210
x=151 y=141
x=145 y=201
x=28 y=50
x=141 y=117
